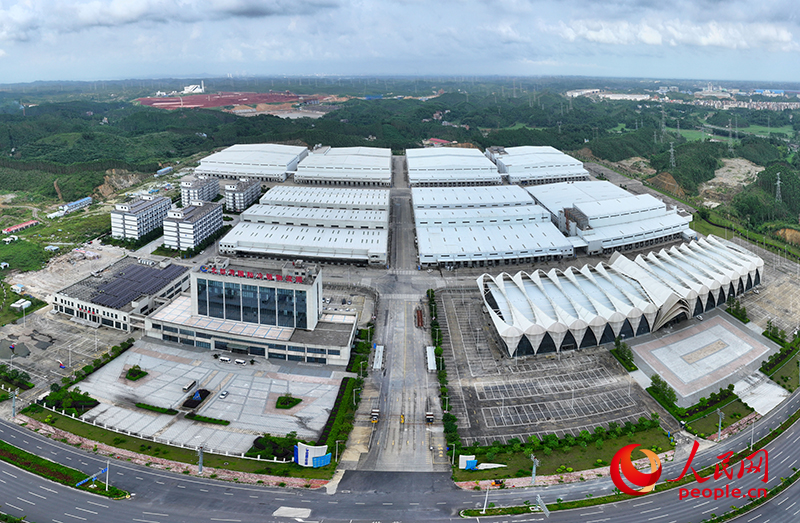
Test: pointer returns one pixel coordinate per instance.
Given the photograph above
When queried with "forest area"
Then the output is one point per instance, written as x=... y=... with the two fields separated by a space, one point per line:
x=75 y=134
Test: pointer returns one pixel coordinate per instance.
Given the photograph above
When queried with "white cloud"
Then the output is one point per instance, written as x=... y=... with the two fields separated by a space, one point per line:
x=675 y=32
x=2 y=53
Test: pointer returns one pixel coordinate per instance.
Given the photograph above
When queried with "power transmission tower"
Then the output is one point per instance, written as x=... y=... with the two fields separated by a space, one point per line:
x=559 y=127
x=671 y=155
x=778 y=188
x=736 y=125
x=655 y=136
x=663 y=124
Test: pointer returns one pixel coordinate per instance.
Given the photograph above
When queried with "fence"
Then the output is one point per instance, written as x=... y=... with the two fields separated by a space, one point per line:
x=162 y=441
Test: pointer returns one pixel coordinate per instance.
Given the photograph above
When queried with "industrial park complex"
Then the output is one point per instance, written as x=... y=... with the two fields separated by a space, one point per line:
x=469 y=209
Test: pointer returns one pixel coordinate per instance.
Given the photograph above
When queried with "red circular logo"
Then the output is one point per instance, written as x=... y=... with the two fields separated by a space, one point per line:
x=622 y=462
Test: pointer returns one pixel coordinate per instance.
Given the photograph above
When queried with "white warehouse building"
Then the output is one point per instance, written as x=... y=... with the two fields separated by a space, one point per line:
x=602 y=218
x=328 y=198
x=450 y=167
x=355 y=166
x=535 y=165
x=315 y=223
x=483 y=226
x=266 y=162
x=558 y=310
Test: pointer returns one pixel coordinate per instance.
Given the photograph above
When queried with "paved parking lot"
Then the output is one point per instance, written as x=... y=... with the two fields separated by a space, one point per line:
x=499 y=398
x=250 y=404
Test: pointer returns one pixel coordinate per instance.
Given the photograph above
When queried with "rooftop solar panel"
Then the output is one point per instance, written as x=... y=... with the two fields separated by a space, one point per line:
x=134 y=281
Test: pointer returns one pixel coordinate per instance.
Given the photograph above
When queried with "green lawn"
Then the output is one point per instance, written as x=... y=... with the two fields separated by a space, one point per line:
x=519 y=463
x=178 y=454
x=734 y=411
x=786 y=376
x=72 y=228
x=762 y=129
x=689 y=134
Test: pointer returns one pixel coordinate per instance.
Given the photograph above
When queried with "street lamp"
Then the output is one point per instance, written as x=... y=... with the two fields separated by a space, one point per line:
x=354 y=396
x=361 y=368
x=719 y=429
x=533 y=468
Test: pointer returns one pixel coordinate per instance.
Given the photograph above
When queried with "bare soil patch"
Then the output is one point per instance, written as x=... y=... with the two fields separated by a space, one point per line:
x=729 y=180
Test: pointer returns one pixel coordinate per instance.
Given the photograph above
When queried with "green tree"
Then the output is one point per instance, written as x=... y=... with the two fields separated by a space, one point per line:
x=662 y=389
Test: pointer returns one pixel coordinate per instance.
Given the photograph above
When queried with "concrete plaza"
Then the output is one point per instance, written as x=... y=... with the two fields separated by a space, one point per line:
x=703 y=356
x=250 y=404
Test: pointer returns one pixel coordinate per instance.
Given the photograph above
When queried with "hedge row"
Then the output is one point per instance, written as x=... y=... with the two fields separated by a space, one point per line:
x=334 y=424
x=788 y=350
x=160 y=410
x=52 y=471
x=205 y=419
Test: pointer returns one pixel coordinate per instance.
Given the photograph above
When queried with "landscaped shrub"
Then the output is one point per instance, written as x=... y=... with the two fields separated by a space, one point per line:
x=135 y=373
x=192 y=403
x=160 y=410
x=287 y=402
x=205 y=419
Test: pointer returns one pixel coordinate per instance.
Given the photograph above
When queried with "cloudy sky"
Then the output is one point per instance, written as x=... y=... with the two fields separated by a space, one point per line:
x=114 y=39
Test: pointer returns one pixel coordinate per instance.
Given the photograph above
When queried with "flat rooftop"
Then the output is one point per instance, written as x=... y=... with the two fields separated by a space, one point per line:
x=446 y=217
x=265 y=213
x=309 y=241
x=328 y=197
x=454 y=197
x=259 y=154
x=491 y=239
x=557 y=196
x=191 y=213
x=122 y=282
x=179 y=312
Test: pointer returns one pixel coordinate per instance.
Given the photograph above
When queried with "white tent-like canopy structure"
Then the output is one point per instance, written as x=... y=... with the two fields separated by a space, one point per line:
x=561 y=310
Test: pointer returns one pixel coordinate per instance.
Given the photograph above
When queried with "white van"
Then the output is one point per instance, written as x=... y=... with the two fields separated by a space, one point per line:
x=224 y=359
x=240 y=362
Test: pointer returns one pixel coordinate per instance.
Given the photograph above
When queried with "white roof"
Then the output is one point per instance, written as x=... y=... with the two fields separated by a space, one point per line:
x=636 y=230
x=454 y=197
x=252 y=158
x=627 y=204
x=288 y=240
x=529 y=158
x=489 y=216
x=313 y=216
x=330 y=197
x=347 y=163
x=463 y=243
x=655 y=288
x=557 y=196
x=448 y=164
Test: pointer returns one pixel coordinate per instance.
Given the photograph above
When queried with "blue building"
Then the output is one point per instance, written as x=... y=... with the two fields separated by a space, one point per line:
x=77 y=204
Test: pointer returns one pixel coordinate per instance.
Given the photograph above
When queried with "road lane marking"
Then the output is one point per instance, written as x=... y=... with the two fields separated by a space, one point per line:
x=26 y=501
x=644 y=503
x=12 y=506
x=598 y=520
x=591 y=513
x=76 y=517
x=755 y=517
x=228 y=493
x=215 y=519
x=97 y=504
x=701 y=504
x=206 y=490
x=85 y=510
x=657 y=517
x=155 y=514
x=9 y=474
x=37 y=495
x=180 y=486
x=140 y=479
x=145 y=520
x=651 y=510
x=48 y=490
x=160 y=482
x=255 y=497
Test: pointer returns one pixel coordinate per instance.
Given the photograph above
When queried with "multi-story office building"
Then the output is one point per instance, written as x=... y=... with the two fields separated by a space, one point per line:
x=136 y=218
x=251 y=308
x=186 y=228
x=241 y=194
x=201 y=188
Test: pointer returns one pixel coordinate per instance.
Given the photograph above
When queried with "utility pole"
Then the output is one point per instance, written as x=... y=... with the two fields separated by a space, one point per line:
x=485 y=501
x=108 y=467
x=14 y=403
x=778 y=188
x=533 y=468
x=719 y=427
x=337 y=448
x=200 y=460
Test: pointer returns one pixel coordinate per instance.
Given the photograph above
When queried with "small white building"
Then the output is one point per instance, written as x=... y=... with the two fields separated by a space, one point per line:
x=241 y=194
x=137 y=218
x=199 y=188
x=188 y=227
